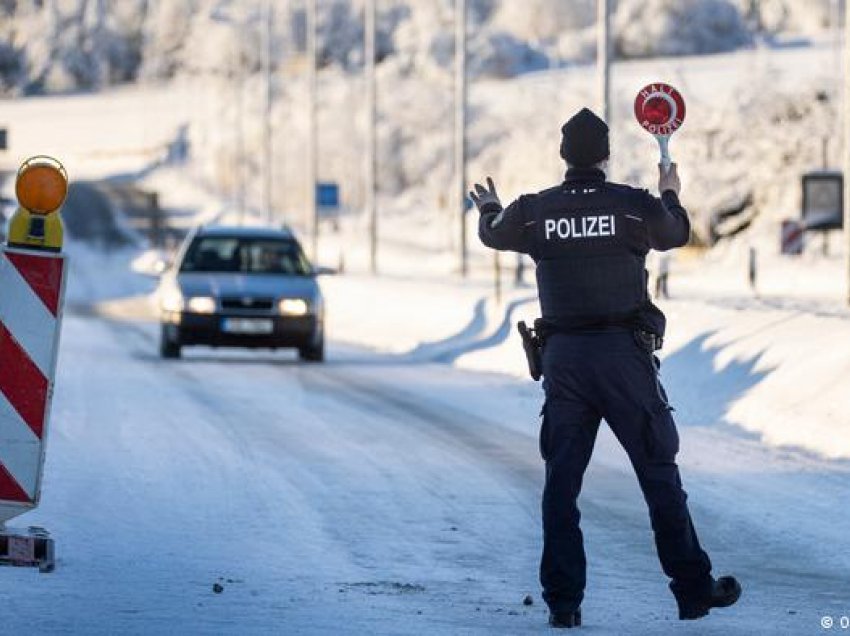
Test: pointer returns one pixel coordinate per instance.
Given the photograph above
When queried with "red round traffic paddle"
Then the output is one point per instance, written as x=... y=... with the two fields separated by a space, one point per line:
x=660 y=109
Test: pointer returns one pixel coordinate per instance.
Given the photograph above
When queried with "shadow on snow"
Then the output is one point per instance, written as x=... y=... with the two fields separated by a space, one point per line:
x=702 y=393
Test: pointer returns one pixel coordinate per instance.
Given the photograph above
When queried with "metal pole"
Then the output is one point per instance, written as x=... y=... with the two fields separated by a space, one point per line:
x=240 y=118
x=371 y=135
x=837 y=31
x=846 y=149
x=284 y=100
x=497 y=276
x=232 y=81
x=603 y=58
x=460 y=128
x=312 y=143
x=268 y=24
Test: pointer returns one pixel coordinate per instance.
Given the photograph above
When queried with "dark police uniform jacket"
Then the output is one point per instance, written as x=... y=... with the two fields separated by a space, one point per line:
x=589 y=239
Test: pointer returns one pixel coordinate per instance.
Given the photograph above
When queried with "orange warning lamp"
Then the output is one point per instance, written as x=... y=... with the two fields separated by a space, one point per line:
x=42 y=184
x=41 y=187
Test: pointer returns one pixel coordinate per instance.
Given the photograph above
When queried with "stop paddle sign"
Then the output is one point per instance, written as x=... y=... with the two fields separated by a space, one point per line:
x=660 y=109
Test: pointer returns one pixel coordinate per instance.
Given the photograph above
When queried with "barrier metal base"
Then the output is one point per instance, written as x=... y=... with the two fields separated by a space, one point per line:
x=32 y=547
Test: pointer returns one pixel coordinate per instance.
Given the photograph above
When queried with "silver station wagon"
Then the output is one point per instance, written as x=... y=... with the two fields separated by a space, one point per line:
x=242 y=287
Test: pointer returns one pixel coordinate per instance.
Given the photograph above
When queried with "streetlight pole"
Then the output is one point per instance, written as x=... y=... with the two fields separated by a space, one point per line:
x=312 y=143
x=846 y=149
x=268 y=26
x=371 y=135
x=239 y=79
x=603 y=58
x=460 y=128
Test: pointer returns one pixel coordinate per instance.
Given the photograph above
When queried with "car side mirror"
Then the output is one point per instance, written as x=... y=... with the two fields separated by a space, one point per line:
x=324 y=271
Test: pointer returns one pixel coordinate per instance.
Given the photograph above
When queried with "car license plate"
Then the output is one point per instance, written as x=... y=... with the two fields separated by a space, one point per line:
x=252 y=326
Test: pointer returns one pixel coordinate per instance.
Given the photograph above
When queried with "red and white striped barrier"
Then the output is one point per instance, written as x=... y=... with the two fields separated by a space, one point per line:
x=32 y=287
x=792 y=237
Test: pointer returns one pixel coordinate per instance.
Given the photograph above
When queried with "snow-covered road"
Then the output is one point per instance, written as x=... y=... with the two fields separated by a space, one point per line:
x=376 y=495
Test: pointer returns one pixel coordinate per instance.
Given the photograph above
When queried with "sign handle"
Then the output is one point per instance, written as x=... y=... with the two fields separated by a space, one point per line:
x=664 y=146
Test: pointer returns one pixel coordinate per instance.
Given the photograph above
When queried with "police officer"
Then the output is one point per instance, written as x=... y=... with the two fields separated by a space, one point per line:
x=589 y=239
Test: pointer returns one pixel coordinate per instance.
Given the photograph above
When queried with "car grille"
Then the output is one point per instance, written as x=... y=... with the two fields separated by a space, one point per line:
x=247 y=303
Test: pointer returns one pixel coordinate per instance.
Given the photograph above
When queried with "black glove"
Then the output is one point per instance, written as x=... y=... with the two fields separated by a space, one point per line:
x=486 y=199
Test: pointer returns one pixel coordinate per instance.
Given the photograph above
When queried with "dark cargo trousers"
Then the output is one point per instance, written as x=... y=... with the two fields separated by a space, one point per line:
x=608 y=375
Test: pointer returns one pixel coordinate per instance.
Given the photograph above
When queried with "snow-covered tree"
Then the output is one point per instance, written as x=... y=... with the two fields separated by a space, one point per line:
x=649 y=28
x=49 y=45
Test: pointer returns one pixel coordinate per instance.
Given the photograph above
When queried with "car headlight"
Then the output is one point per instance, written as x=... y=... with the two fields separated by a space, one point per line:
x=171 y=300
x=201 y=304
x=293 y=307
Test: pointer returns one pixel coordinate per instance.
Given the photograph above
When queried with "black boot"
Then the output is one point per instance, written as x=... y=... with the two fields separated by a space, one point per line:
x=565 y=619
x=723 y=592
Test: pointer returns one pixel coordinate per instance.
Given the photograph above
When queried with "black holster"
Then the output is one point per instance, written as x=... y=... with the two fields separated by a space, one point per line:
x=648 y=341
x=532 y=344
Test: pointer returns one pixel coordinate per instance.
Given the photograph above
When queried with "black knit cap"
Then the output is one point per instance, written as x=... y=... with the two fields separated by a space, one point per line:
x=585 y=140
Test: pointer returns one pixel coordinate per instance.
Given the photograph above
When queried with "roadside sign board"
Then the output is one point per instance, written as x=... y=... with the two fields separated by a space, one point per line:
x=327 y=195
x=823 y=201
x=792 y=237
x=33 y=284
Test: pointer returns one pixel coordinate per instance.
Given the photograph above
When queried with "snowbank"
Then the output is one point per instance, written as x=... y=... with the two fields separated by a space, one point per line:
x=768 y=365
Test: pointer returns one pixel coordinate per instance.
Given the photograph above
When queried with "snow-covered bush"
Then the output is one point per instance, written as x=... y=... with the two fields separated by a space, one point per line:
x=72 y=44
x=426 y=41
x=503 y=55
x=12 y=67
x=649 y=28
x=544 y=19
x=577 y=47
x=806 y=17
x=166 y=29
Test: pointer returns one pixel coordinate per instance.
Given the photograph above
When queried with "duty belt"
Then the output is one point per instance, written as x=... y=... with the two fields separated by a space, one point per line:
x=647 y=340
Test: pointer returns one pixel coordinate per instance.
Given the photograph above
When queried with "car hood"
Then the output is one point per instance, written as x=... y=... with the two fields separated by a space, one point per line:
x=271 y=285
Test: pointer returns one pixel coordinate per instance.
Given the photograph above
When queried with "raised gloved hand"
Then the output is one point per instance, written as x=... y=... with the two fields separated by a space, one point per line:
x=486 y=197
x=669 y=179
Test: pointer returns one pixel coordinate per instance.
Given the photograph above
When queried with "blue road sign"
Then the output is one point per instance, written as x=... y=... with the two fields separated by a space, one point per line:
x=327 y=195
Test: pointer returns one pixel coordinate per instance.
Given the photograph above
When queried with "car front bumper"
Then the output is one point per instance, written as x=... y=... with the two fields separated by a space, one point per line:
x=186 y=328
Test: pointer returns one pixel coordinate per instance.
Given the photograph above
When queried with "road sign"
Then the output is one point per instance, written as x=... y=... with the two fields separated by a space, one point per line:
x=792 y=237
x=660 y=109
x=327 y=195
x=823 y=203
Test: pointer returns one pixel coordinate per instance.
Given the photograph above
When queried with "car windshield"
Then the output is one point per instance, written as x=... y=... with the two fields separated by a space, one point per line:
x=245 y=255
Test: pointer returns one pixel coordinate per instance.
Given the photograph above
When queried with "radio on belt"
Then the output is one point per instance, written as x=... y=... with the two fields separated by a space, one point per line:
x=32 y=279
